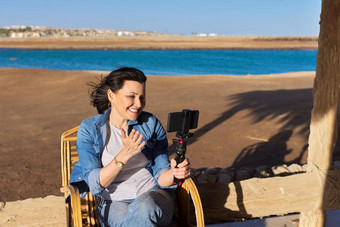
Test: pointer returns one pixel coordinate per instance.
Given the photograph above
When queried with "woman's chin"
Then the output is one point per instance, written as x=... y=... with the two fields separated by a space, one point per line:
x=133 y=117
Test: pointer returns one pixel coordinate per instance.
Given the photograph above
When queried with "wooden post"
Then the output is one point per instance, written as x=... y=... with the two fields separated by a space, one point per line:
x=323 y=128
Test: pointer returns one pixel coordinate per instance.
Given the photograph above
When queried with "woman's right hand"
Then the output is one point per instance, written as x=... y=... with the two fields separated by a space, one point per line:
x=132 y=144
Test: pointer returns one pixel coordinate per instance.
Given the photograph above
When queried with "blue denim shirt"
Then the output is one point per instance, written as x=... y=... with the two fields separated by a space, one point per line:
x=91 y=139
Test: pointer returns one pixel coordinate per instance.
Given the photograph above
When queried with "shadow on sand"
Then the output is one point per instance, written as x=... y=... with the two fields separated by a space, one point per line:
x=290 y=108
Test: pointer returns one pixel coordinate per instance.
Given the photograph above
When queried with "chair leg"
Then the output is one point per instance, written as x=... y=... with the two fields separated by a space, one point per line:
x=68 y=214
x=196 y=199
x=182 y=195
x=74 y=213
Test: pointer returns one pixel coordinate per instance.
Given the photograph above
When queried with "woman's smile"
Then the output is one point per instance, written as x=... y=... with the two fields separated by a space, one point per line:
x=133 y=110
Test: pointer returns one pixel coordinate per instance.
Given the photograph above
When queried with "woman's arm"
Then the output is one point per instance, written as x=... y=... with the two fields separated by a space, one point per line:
x=88 y=151
x=163 y=170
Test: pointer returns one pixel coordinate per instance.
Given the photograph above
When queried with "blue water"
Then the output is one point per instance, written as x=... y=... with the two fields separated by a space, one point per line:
x=165 y=62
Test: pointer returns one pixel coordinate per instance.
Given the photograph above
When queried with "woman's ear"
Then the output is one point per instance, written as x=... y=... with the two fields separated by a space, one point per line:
x=110 y=95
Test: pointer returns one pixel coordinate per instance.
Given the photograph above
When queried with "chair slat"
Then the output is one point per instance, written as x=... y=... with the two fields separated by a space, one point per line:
x=68 y=160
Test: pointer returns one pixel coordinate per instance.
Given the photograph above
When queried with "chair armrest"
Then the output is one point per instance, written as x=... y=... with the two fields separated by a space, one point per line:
x=189 y=188
x=73 y=192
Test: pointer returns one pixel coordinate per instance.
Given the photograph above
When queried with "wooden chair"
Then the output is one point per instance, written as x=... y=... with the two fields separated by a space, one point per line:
x=82 y=212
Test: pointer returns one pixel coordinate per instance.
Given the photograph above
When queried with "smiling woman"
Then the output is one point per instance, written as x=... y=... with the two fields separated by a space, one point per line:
x=123 y=155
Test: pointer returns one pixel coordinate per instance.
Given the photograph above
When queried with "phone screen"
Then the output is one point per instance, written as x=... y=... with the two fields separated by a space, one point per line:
x=182 y=121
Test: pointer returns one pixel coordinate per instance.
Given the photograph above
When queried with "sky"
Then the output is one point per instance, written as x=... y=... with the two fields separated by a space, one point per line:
x=223 y=17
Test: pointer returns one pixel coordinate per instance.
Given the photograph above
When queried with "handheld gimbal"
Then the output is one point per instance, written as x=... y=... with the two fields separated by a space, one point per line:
x=182 y=122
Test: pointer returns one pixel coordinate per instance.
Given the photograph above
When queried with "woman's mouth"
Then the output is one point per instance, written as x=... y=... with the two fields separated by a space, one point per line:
x=133 y=110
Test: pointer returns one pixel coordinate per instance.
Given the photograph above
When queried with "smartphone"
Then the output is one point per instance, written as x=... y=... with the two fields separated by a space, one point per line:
x=182 y=121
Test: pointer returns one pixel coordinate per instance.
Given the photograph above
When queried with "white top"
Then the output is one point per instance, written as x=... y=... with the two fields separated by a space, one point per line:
x=133 y=179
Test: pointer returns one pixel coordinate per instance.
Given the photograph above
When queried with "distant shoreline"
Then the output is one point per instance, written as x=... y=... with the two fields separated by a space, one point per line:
x=182 y=42
x=236 y=48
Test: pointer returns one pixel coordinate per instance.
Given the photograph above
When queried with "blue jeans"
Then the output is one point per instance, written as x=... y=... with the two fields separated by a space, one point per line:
x=154 y=208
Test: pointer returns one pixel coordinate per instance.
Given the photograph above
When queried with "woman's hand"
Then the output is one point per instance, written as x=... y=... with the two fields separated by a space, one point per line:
x=181 y=172
x=132 y=144
x=183 y=169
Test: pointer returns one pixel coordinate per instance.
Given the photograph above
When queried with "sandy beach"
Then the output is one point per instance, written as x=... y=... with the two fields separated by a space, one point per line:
x=245 y=121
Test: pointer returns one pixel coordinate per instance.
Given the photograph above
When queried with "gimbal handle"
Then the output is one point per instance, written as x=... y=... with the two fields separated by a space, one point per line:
x=180 y=156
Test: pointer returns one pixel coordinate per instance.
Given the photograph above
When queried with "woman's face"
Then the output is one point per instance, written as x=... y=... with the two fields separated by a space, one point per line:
x=128 y=102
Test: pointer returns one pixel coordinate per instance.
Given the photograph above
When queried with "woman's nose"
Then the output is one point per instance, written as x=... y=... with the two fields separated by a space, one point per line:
x=138 y=103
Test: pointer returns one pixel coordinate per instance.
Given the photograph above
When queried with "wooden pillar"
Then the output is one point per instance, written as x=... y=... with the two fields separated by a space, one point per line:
x=323 y=127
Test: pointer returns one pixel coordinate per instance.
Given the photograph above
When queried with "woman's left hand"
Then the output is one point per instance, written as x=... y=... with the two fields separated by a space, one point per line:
x=183 y=169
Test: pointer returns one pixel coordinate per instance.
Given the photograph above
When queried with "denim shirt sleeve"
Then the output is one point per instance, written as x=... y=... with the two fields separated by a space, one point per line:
x=89 y=159
x=160 y=152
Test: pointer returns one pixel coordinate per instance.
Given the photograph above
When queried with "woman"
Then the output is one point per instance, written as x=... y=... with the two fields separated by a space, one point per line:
x=123 y=155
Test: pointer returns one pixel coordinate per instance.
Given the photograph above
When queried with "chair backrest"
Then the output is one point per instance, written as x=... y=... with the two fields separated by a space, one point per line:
x=69 y=154
x=88 y=205
x=69 y=157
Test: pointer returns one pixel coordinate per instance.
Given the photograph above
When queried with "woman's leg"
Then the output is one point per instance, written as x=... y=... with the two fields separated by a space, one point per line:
x=111 y=213
x=154 y=208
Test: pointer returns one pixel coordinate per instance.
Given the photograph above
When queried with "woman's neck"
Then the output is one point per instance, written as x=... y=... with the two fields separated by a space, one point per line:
x=118 y=123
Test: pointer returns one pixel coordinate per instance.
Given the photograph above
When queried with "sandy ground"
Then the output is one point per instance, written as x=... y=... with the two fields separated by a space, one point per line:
x=244 y=121
x=163 y=42
x=37 y=212
x=50 y=212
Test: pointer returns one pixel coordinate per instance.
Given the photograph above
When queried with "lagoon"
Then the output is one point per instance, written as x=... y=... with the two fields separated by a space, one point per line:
x=165 y=62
